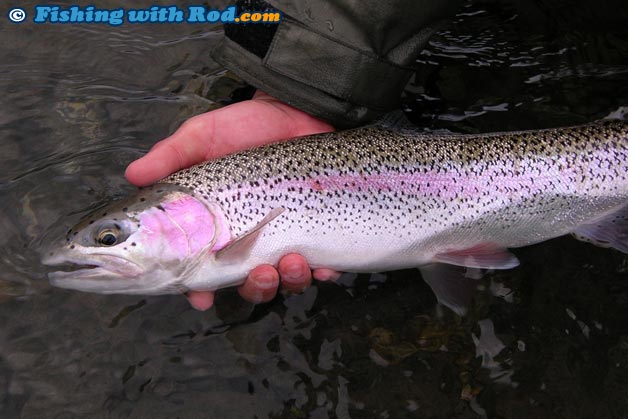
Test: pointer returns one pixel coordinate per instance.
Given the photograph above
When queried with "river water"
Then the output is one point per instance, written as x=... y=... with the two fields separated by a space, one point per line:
x=79 y=102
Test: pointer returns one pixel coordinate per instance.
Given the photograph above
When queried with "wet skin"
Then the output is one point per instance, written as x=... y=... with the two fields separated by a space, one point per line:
x=211 y=135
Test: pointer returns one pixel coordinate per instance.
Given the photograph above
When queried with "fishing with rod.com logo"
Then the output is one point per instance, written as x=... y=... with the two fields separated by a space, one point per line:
x=52 y=14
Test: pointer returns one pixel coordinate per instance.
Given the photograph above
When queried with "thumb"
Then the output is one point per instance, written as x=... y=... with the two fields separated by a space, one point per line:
x=187 y=146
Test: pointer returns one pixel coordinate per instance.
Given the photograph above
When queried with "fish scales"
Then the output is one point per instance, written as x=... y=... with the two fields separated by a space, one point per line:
x=366 y=200
x=356 y=186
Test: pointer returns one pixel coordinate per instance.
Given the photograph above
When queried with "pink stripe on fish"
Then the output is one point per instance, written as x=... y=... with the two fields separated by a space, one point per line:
x=442 y=183
x=430 y=183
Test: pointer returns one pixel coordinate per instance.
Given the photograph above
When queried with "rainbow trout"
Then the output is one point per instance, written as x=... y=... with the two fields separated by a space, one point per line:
x=365 y=200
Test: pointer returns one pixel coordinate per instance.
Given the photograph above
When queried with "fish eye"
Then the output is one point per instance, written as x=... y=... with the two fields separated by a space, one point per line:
x=107 y=237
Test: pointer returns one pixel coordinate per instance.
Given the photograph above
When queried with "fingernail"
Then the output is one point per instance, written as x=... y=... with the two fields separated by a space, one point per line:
x=327 y=275
x=264 y=281
x=294 y=272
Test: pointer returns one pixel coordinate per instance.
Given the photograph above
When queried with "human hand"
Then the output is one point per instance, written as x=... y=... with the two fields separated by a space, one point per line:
x=214 y=134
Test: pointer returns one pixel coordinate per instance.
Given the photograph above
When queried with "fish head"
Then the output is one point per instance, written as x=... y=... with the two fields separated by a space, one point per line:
x=146 y=244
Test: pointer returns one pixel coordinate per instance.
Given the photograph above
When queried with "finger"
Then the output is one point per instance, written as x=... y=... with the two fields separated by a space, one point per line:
x=295 y=273
x=324 y=274
x=261 y=284
x=189 y=145
x=155 y=165
x=200 y=300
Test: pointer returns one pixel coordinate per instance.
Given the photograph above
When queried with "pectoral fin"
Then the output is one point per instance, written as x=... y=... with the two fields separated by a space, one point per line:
x=482 y=256
x=453 y=286
x=610 y=231
x=240 y=248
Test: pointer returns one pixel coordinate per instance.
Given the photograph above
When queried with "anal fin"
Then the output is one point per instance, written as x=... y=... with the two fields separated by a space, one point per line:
x=609 y=231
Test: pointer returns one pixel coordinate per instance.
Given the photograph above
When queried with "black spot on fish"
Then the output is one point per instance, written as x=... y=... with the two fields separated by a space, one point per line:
x=72 y=247
x=104 y=214
x=160 y=208
x=125 y=209
x=142 y=199
x=91 y=222
x=133 y=244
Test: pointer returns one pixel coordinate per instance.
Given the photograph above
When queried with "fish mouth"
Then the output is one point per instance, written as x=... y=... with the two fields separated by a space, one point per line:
x=106 y=274
x=103 y=274
x=98 y=272
x=100 y=267
x=75 y=267
x=78 y=272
